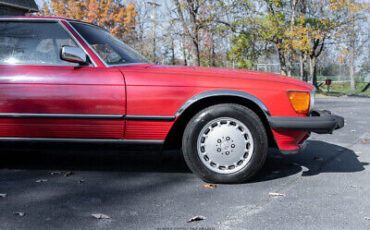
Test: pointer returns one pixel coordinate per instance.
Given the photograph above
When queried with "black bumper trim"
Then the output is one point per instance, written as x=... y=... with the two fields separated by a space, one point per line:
x=319 y=122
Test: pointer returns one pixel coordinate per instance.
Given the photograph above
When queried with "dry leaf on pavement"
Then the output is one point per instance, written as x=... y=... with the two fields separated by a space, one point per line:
x=211 y=186
x=69 y=173
x=318 y=159
x=364 y=141
x=367 y=218
x=19 y=213
x=197 y=218
x=355 y=186
x=276 y=194
x=100 y=216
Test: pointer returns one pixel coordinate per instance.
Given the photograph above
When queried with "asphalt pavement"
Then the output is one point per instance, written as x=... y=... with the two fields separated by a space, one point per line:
x=327 y=186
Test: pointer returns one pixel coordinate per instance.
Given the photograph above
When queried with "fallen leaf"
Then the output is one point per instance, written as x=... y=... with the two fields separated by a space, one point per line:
x=318 y=159
x=41 y=180
x=355 y=186
x=69 y=173
x=197 y=218
x=364 y=141
x=100 y=216
x=352 y=131
x=211 y=186
x=276 y=194
x=367 y=218
x=2 y=195
x=19 y=214
x=358 y=153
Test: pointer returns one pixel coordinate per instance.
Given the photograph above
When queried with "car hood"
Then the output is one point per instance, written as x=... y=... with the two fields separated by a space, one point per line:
x=227 y=72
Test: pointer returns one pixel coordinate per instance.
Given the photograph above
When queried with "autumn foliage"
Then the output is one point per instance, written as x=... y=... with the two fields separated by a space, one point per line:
x=114 y=16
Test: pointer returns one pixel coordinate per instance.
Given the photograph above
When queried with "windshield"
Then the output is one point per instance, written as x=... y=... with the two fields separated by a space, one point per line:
x=109 y=48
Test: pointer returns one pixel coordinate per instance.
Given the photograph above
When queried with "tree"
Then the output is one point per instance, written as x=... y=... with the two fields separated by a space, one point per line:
x=114 y=16
x=191 y=26
x=262 y=23
x=352 y=47
x=297 y=28
x=323 y=20
x=194 y=16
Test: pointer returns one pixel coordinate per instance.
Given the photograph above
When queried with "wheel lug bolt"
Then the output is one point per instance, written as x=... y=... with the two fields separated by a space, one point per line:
x=219 y=140
x=232 y=146
x=218 y=150
x=227 y=153
x=227 y=138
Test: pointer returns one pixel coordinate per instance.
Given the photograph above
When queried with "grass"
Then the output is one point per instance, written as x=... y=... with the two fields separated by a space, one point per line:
x=344 y=88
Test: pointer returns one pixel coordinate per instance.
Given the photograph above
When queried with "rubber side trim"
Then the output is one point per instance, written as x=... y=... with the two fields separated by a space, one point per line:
x=82 y=140
x=85 y=116
x=61 y=116
x=149 y=118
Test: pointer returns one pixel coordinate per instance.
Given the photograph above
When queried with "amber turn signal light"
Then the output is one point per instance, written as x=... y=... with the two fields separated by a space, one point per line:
x=300 y=101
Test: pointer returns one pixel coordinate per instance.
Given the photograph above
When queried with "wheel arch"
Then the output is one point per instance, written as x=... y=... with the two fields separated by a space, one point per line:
x=209 y=98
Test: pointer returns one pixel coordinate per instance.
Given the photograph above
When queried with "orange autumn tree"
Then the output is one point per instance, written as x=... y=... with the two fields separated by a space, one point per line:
x=112 y=15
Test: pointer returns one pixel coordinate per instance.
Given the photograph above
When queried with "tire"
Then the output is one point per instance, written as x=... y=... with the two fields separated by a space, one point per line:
x=218 y=136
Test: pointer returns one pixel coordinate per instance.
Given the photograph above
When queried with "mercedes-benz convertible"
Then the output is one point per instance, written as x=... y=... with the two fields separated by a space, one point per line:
x=63 y=80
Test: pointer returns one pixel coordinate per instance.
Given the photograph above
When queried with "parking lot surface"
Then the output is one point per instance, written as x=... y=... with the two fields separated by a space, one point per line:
x=327 y=186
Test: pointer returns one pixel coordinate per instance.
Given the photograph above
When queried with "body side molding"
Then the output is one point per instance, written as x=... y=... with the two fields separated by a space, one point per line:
x=81 y=140
x=61 y=116
x=217 y=93
x=149 y=118
x=85 y=116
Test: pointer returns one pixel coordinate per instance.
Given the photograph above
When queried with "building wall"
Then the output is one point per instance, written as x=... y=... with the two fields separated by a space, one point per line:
x=10 y=11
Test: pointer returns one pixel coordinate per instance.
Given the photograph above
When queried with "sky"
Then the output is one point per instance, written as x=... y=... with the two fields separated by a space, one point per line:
x=39 y=3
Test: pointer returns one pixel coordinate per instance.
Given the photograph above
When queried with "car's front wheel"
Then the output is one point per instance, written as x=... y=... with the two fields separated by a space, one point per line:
x=225 y=143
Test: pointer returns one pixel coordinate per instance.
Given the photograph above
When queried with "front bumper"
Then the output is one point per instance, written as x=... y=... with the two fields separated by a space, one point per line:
x=320 y=122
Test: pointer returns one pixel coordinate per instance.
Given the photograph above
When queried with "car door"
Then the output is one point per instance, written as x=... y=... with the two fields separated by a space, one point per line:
x=43 y=96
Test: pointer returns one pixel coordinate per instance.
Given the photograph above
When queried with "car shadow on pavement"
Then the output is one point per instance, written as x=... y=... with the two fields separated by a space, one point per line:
x=318 y=157
x=88 y=157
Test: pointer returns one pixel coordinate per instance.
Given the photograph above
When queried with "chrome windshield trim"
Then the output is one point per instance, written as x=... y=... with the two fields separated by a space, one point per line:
x=83 y=39
x=77 y=42
x=97 y=54
x=129 y=64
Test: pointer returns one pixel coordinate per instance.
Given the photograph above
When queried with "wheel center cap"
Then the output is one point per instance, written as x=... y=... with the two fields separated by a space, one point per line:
x=225 y=146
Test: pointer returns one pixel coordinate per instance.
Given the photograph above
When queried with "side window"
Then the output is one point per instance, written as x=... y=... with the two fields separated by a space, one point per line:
x=33 y=43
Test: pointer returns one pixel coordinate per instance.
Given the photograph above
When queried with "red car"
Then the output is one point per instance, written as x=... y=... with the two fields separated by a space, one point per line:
x=68 y=81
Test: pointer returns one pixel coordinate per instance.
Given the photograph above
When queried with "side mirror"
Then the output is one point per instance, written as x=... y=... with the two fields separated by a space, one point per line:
x=73 y=54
